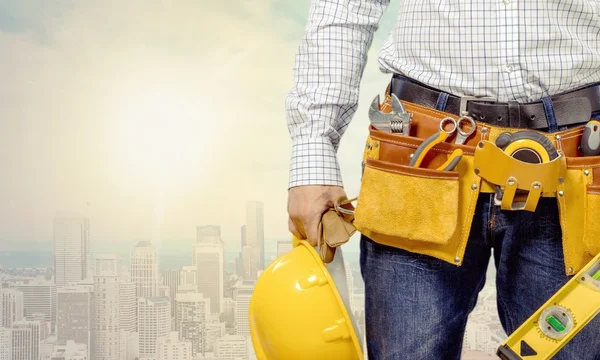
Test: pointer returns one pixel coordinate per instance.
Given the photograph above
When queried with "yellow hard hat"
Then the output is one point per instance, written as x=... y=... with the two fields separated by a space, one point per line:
x=296 y=311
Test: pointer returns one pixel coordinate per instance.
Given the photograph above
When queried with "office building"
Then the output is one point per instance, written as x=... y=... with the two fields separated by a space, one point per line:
x=144 y=269
x=229 y=312
x=26 y=340
x=192 y=312
x=209 y=234
x=72 y=256
x=232 y=347
x=39 y=297
x=171 y=348
x=154 y=322
x=209 y=261
x=255 y=230
x=250 y=256
x=171 y=278
x=5 y=343
x=74 y=314
x=106 y=337
x=11 y=307
x=283 y=247
x=243 y=293
x=128 y=306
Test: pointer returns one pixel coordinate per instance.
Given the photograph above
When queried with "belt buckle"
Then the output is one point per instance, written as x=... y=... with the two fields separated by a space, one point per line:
x=465 y=99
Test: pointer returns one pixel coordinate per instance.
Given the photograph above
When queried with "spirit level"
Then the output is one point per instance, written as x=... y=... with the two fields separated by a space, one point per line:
x=558 y=320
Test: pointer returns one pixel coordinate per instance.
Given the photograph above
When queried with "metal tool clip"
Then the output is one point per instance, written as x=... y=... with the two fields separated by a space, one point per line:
x=397 y=121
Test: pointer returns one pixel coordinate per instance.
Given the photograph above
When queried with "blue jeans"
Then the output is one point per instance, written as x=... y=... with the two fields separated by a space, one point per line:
x=416 y=306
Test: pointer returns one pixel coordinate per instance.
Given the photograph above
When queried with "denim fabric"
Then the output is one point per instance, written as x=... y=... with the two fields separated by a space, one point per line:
x=442 y=101
x=550 y=115
x=416 y=306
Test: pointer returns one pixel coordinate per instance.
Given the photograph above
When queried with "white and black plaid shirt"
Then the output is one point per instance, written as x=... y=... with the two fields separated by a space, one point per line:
x=508 y=49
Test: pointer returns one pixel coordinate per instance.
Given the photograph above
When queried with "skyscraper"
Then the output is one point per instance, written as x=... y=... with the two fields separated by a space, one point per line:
x=170 y=348
x=144 y=269
x=208 y=234
x=154 y=322
x=72 y=256
x=5 y=343
x=128 y=306
x=255 y=230
x=243 y=231
x=209 y=261
x=106 y=341
x=26 y=340
x=39 y=297
x=250 y=257
x=11 y=307
x=74 y=314
x=192 y=312
x=171 y=278
x=243 y=293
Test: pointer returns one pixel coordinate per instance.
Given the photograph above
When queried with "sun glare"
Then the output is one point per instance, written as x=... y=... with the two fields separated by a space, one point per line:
x=160 y=134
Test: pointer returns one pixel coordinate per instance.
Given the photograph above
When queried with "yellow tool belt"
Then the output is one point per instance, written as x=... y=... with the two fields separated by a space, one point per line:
x=430 y=211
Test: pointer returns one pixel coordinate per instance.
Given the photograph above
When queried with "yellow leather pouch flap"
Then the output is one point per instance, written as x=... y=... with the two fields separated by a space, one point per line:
x=591 y=223
x=495 y=166
x=406 y=202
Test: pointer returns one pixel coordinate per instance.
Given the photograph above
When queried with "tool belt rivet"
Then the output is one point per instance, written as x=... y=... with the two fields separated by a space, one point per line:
x=483 y=130
x=561 y=179
x=457 y=259
x=511 y=182
x=558 y=137
x=474 y=186
x=477 y=171
x=561 y=193
x=536 y=186
x=586 y=172
x=570 y=270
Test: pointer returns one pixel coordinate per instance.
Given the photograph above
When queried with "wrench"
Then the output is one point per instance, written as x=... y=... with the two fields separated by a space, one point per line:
x=397 y=121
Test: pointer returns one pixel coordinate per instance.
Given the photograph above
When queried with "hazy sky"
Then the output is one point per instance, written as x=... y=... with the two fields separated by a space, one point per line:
x=153 y=117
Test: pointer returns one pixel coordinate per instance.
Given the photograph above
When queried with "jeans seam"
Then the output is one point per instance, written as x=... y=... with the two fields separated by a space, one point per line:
x=504 y=307
x=474 y=298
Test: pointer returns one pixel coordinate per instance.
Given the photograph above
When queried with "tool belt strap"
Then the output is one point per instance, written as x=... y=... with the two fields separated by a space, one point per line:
x=570 y=108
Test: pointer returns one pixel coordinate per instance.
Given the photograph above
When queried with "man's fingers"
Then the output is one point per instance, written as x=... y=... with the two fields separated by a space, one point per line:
x=312 y=227
x=294 y=230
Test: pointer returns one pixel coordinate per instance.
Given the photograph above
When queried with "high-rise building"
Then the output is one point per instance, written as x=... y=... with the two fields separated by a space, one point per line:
x=229 y=312
x=72 y=256
x=171 y=278
x=39 y=296
x=255 y=230
x=128 y=306
x=154 y=322
x=5 y=343
x=11 y=307
x=232 y=347
x=243 y=293
x=283 y=247
x=213 y=331
x=130 y=345
x=209 y=261
x=188 y=276
x=243 y=233
x=26 y=339
x=74 y=314
x=171 y=348
x=192 y=312
x=106 y=337
x=250 y=255
x=144 y=269
x=208 y=234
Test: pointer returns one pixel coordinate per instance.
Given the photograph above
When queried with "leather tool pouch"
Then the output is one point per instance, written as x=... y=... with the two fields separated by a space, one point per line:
x=429 y=211
x=422 y=210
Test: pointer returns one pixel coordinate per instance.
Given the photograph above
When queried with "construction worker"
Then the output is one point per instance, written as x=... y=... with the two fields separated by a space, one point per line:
x=526 y=57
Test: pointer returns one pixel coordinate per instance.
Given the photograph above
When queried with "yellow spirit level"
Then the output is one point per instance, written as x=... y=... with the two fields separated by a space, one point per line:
x=558 y=320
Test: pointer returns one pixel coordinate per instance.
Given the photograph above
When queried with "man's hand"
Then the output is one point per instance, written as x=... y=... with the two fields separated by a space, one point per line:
x=306 y=205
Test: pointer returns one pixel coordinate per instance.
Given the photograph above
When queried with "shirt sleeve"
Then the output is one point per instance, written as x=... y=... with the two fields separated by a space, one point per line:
x=328 y=69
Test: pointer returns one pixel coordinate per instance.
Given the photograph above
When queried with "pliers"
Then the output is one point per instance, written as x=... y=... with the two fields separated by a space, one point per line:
x=430 y=142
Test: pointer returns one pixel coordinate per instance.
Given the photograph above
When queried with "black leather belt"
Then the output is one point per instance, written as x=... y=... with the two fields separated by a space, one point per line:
x=570 y=108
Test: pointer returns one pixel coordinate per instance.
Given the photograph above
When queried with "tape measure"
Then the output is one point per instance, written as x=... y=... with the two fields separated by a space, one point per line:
x=527 y=146
x=558 y=320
